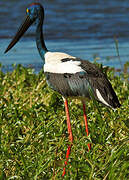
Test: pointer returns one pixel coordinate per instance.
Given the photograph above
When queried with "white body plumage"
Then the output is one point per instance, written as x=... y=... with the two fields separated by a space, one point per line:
x=53 y=63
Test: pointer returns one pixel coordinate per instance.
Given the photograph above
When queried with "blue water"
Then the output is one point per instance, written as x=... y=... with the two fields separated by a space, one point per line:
x=81 y=28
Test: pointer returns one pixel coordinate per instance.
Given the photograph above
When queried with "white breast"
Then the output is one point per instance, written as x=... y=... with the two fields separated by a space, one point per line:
x=55 y=57
x=54 y=64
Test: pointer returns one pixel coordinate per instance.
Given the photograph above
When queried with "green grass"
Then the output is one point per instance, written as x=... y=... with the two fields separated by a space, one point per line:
x=33 y=131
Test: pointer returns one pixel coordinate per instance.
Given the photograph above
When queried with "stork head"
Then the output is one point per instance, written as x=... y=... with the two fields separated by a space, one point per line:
x=34 y=13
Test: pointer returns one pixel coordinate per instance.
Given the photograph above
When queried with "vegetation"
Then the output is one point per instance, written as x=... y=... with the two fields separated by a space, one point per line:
x=33 y=131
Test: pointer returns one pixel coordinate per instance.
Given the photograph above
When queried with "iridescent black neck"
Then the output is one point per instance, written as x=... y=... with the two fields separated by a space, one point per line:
x=40 y=41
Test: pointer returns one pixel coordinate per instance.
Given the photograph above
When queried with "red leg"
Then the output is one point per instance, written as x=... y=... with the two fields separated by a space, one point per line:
x=86 y=123
x=70 y=134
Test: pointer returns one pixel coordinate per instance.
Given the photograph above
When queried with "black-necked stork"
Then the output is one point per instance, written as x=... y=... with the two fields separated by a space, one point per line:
x=66 y=74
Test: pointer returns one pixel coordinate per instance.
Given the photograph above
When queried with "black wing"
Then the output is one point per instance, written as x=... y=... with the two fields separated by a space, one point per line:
x=80 y=83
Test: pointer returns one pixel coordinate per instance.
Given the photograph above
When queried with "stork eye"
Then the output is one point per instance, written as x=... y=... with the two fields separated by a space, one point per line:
x=27 y=10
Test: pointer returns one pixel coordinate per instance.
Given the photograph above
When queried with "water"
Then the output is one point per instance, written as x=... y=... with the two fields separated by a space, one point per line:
x=81 y=28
